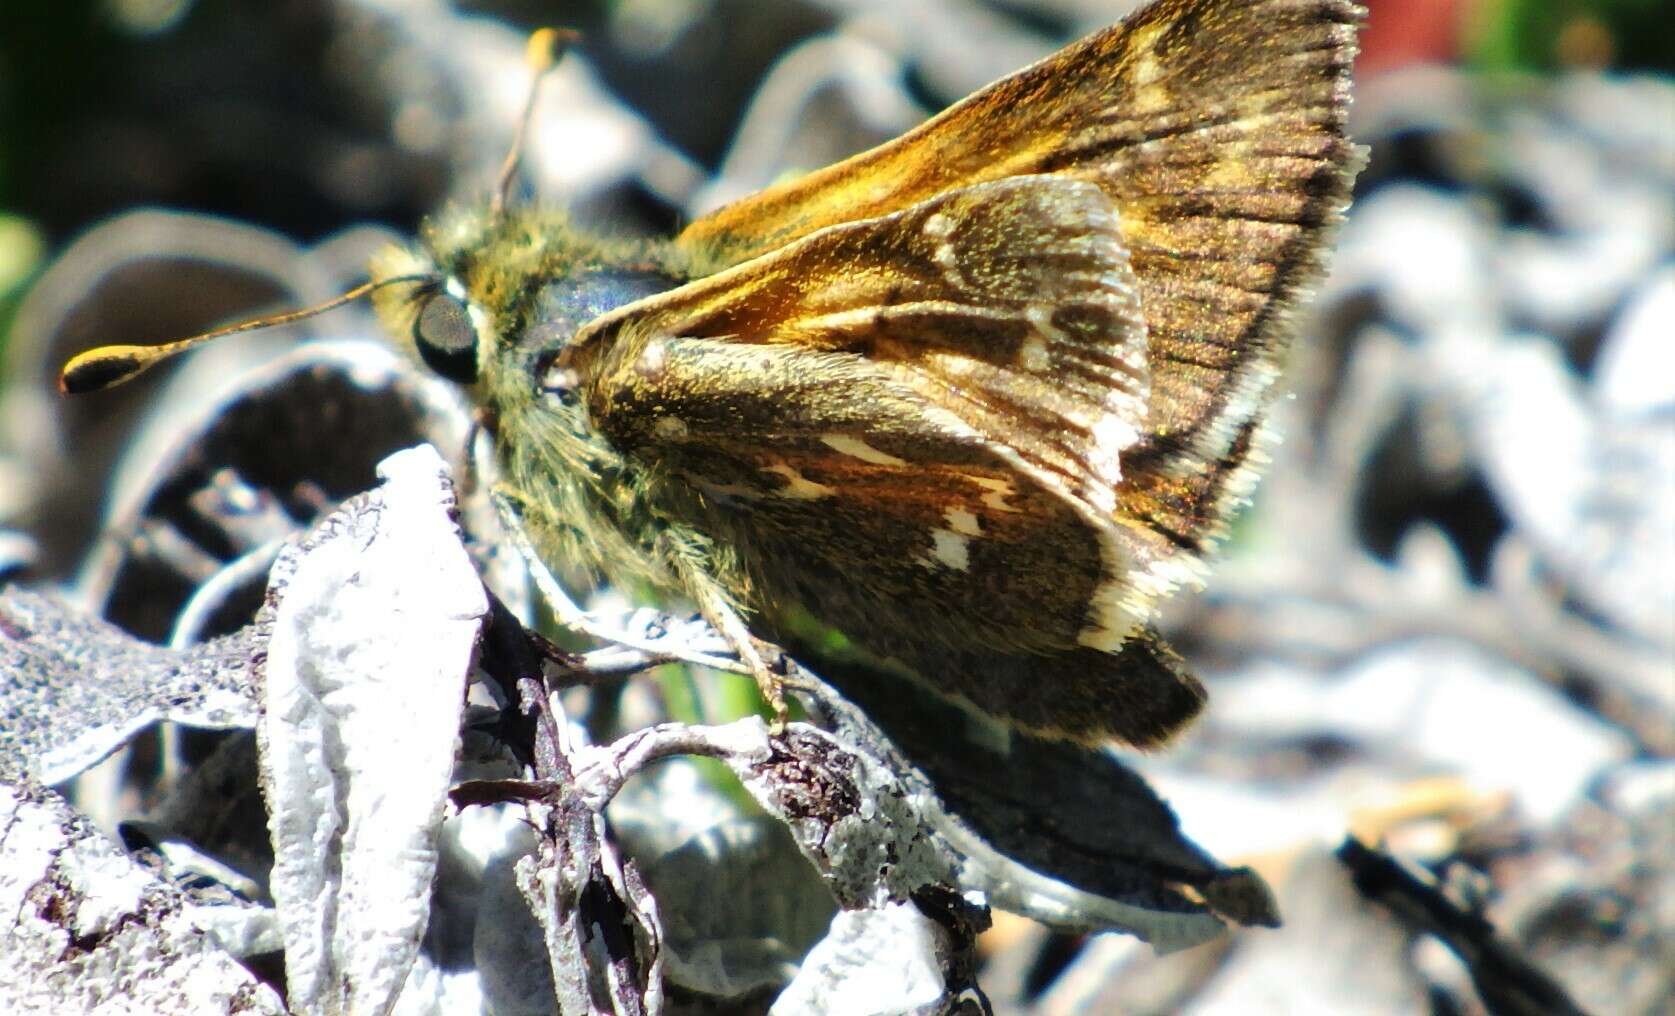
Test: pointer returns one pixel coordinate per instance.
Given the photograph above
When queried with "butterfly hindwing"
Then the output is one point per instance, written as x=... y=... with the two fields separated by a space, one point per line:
x=850 y=505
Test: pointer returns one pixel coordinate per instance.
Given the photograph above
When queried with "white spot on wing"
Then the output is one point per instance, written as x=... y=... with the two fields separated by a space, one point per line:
x=963 y=522
x=856 y=448
x=1147 y=69
x=1127 y=595
x=1150 y=93
x=949 y=261
x=1040 y=317
x=939 y=227
x=1111 y=435
x=1032 y=355
x=1115 y=433
x=950 y=550
x=1113 y=611
x=998 y=491
x=797 y=486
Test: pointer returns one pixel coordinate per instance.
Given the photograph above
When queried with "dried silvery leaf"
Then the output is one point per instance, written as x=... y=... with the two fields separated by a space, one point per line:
x=76 y=688
x=88 y=930
x=374 y=622
x=872 y=961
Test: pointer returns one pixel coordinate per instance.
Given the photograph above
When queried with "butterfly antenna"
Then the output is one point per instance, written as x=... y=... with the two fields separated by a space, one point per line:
x=546 y=48
x=109 y=366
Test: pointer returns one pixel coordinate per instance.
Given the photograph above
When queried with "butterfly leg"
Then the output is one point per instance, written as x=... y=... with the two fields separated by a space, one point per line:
x=509 y=504
x=712 y=601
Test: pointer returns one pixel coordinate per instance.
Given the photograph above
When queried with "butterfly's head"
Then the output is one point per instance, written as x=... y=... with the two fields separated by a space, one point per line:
x=504 y=293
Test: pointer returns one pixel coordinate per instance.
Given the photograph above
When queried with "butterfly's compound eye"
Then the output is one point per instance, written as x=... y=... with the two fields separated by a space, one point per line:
x=447 y=337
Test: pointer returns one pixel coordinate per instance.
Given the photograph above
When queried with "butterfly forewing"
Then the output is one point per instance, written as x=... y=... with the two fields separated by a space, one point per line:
x=1009 y=306
x=1216 y=128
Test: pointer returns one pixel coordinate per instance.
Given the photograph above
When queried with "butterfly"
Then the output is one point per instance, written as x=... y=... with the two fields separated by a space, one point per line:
x=965 y=407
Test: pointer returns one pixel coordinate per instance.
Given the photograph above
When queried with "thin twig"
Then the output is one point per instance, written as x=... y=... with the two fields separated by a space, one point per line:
x=1508 y=984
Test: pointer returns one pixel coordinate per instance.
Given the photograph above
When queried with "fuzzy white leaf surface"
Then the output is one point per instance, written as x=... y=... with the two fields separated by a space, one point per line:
x=378 y=614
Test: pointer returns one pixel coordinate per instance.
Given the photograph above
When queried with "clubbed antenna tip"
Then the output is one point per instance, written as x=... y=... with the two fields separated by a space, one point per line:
x=546 y=48
x=109 y=366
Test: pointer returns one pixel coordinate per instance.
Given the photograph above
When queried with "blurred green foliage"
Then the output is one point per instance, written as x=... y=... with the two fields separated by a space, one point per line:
x=1551 y=35
x=21 y=253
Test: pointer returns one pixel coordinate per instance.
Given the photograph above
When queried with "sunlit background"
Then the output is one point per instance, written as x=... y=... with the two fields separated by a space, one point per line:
x=1448 y=623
